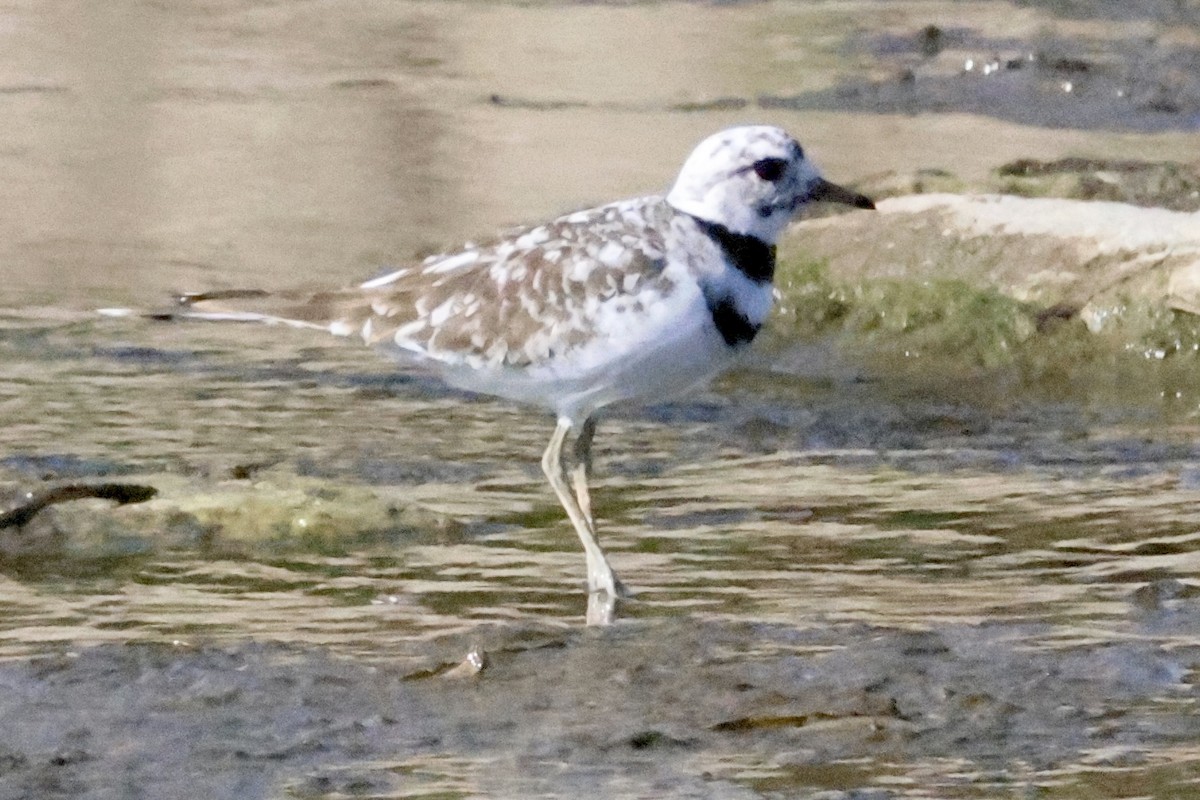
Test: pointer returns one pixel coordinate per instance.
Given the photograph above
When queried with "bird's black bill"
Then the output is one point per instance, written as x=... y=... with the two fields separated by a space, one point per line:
x=832 y=193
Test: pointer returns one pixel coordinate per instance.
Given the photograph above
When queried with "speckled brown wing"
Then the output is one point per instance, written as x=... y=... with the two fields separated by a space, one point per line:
x=524 y=299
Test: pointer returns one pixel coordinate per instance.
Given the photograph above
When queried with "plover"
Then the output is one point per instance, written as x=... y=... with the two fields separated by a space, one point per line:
x=636 y=300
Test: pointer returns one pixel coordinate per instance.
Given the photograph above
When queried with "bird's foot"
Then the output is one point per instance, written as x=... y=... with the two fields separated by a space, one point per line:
x=605 y=590
x=601 y=608
x=601 y=579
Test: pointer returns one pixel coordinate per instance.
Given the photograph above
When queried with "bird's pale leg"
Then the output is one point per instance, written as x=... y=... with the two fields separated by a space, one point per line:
x=602 y=585
x=581 y=471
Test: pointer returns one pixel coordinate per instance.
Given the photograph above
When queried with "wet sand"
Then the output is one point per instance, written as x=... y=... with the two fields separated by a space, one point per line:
x=854 y=579
x=679 y=708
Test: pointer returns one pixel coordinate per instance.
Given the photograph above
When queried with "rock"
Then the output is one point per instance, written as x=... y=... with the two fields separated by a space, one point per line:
x=1047 y=250
x=1029 y=262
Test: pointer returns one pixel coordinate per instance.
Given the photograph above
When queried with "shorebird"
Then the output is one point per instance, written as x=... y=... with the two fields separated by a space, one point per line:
x=635 y=300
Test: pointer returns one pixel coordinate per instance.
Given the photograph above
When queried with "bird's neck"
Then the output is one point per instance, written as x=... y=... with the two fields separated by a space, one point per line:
x=750 y=255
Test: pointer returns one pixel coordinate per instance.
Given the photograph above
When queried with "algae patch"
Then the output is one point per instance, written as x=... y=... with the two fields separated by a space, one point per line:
x=293 y=512
x=938 y=331
x=1154 y=184
x=282 y=513
x=909 y=318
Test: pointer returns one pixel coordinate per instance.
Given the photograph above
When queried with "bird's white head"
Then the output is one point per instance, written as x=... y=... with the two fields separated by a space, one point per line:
x=752 y=180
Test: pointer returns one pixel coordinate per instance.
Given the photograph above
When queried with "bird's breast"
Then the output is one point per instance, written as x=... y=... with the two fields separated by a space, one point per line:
x=737 y=306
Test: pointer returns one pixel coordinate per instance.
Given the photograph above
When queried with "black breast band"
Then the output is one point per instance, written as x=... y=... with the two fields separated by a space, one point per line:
x=733 y=326
x=753 y=257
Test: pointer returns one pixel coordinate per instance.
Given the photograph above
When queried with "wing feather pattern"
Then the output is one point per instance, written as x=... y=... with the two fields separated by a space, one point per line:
x=518 y=301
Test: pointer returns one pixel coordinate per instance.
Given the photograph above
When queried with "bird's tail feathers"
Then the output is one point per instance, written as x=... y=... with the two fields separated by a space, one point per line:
x=308 y=311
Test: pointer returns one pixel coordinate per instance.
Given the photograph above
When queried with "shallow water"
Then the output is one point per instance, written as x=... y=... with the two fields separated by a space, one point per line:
x=770 y=499
x=1015 y=563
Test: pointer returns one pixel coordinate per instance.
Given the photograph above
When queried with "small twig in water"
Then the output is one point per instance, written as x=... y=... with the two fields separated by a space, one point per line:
x=122 y=493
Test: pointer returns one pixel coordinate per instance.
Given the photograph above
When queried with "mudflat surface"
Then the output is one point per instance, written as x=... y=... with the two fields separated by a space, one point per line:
x=858 y=573
x=683 y=708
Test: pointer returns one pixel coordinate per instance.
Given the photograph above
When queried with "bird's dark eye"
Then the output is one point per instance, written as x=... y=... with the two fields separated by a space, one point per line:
x=770 y=169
